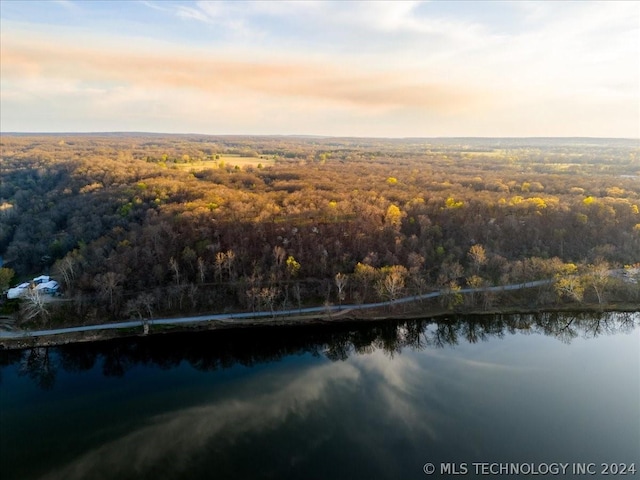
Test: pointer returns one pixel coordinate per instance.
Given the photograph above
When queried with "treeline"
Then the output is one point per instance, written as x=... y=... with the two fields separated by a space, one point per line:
x=332 y=220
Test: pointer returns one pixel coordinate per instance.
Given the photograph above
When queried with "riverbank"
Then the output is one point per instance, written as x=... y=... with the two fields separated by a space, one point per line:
x=347 y=315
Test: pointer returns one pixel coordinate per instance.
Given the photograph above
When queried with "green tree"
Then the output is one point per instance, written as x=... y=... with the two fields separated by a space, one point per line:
x=6 y=275
x=450 y=295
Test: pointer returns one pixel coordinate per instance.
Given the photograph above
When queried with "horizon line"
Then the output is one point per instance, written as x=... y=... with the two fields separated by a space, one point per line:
x=293 y=135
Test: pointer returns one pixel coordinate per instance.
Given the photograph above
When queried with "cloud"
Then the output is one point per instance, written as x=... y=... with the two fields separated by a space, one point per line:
x=68 y=4
x=347 y=68
x=400 y=384
x=191 y=13
x=378 y=28
x=175 y=438
x=219 y=75
x=155 y=6
x=390 y=391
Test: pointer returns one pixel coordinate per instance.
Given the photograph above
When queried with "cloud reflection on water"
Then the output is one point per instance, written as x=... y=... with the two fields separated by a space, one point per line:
x=385 y=404
x=393 y=392
x=175 y=438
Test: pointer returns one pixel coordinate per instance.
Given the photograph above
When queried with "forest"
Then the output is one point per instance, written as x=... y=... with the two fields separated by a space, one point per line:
x=147 y=225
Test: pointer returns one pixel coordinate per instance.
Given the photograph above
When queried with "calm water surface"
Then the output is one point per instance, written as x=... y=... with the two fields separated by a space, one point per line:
x=351 y=401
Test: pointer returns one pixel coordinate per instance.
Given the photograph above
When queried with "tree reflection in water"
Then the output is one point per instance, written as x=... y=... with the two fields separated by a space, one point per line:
x=223 y=349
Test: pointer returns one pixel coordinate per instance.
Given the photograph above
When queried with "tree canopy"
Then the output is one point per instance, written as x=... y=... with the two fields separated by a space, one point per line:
x=139 y=224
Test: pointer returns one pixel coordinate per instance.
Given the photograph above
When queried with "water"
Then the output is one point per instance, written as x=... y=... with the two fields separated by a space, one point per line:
x=379 y=400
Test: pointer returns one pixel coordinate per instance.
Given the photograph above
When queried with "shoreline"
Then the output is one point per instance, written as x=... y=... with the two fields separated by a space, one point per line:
x=342 y=317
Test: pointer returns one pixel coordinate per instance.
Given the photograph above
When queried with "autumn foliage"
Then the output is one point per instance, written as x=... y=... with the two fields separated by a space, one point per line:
x=143 y=225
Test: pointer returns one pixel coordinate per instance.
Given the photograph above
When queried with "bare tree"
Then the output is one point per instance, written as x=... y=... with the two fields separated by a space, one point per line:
x=175 y=268
x=192 y=293
x=268 y=297
x=67 y=268
x=146 y=301
x=599 y=278
x=230 y=258
x=35 y=305
x=221 y=259
x=279 y=254
x=297 y=294
x=202 y=269
x=141 y=306
x=107 y=285
x=392 y=284
x=253 y=297
x=341 y=282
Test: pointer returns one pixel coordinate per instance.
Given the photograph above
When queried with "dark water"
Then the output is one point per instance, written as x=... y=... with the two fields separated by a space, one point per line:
x=351 y=401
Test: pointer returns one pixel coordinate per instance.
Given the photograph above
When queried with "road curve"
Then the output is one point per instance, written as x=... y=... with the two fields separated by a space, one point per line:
x=230 y=317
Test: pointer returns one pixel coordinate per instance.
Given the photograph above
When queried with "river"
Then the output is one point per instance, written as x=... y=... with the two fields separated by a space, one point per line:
x=475 y=396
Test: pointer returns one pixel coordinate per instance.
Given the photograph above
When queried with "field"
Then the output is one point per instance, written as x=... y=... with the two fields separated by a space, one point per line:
x=226 y=161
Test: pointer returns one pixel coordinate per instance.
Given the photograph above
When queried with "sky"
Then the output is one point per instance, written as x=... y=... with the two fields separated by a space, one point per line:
x=365 y=69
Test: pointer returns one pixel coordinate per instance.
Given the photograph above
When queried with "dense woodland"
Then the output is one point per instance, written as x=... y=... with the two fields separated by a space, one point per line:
x=141 y=225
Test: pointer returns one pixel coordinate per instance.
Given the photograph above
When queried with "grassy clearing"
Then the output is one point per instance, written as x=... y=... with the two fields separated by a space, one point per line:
x=226 y=161
x=477 y=153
